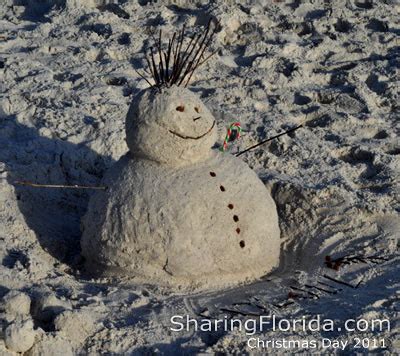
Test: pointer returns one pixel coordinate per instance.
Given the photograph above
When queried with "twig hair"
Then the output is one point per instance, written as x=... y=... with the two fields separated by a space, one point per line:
x=176 y=66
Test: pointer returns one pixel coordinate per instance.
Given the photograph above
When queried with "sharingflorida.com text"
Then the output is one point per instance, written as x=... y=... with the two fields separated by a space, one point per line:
x=271 y=322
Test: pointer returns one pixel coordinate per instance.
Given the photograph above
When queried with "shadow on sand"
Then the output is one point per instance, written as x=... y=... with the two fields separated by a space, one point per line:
x=53 y=214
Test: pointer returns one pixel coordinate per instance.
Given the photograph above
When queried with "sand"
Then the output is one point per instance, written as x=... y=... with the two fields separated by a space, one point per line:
x=66 y=81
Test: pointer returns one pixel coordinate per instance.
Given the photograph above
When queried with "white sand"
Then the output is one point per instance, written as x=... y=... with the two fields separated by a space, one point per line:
x=66 y=80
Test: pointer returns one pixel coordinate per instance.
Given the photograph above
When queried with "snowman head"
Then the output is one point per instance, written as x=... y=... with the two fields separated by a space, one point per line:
x=168 y=123
x=172 y=126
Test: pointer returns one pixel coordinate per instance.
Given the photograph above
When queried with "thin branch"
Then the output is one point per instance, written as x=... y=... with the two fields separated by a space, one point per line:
x=339 y=281
x=202 y=48
x=306 y=291
x=180 y=44
x=175 y=64
x=161 y=59
x=199 y=50
x=321 y=289
x=156 y=77
x=187 y=54
x=186 y=60
x=207 y=58
x=149 y=66
x=143 y=77
x=170 y=46
x=269 y=139
x=75 y=186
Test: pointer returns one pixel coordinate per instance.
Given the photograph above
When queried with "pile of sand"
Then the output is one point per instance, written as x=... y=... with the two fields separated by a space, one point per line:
x=67 y=80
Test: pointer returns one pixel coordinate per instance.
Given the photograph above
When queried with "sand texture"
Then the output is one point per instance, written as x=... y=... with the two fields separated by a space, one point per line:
x=66 y=83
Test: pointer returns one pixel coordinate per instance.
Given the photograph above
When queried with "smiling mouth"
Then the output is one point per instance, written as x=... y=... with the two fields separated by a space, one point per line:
x=193 y=137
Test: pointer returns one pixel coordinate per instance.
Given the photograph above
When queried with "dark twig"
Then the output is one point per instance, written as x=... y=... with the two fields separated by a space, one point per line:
x=168 y=55
x=268 y=139
x=149 y=66
x=207 y=58
x=339 y=281
x=187 y=54
x=238 y=312
x=321 y=289
x=141 y=75
x=156 y=75
x=328 y=285
x=350 y=259
x=198 y=51
x=179 y=48
x=162 y=73
x=306 y=291
x=206 y=45
x=175 y=60
x=36 y=185
x=178 y=62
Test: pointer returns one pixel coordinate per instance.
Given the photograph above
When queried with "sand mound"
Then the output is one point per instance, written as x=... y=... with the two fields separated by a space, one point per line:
x=66 y=85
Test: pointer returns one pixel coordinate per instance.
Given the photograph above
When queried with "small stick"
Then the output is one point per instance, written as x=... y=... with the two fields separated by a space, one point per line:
x=184 y=64
x=170 y=44
x=269 y=139
x=166 y=60
x=339 y=281
x=207 y=58
x=179 y=49
x=161 y=65
x=186 y=55
x=321 y=289
x=75 y=186
x=201 y=50
x=149 y=66
x=306 y=291
x=175 y=55
x=198 y=54
x=156 y=78
x=238 y=312
x=143 y=77
x=359 y=283
x=328 y=285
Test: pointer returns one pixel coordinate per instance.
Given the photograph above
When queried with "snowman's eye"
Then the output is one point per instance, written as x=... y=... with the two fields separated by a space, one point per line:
x=197 y=110
x=180 y=108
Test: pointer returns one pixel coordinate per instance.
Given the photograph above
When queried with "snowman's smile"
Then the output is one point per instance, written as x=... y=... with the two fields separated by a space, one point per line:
x=193 y=137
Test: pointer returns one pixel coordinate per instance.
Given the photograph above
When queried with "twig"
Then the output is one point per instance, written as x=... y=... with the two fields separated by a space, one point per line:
x=339 y=281
x=349 y=259
x=328 y=285
x=321 y=289
x=238 y=312
x=306 y=291
x=143 y=77
x=269 y=139
x=75 y=186
x=177 y=64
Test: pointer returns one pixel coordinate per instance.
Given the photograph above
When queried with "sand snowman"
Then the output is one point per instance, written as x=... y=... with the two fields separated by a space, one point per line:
x=176 y=211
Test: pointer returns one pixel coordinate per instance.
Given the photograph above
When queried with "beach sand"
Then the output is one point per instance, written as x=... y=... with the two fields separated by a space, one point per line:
x=66 y=80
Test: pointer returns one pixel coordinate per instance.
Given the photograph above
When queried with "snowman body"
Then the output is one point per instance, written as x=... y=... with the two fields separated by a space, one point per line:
x=180 y=214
